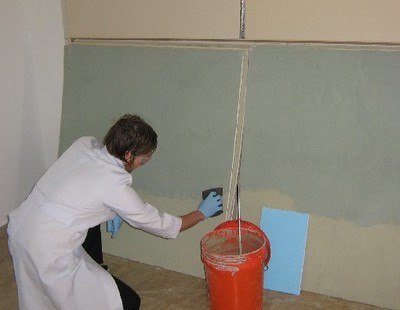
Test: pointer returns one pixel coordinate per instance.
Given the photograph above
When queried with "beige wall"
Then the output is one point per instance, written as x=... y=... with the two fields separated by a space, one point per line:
x=321 y=20
x=152 y=19
x=342 y=259
x=285 y=20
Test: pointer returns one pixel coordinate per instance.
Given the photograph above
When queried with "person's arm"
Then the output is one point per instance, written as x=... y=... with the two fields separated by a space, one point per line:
x=191 y=219
x=208 y=207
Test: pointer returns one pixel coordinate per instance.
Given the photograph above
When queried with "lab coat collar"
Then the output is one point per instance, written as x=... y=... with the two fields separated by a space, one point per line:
x=114 y=160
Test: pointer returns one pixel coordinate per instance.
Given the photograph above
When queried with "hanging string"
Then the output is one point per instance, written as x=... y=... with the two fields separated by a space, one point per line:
x=232 y=204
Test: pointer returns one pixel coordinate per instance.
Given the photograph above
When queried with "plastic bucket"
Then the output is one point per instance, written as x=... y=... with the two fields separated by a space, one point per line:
x=234 y=280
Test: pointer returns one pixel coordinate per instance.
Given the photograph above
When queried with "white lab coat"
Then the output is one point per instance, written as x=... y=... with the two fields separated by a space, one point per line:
x=86 y=186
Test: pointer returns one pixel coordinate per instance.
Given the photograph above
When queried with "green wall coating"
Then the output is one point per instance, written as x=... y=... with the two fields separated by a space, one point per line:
x=321 y=124
x=189 y=96
x=321 y=136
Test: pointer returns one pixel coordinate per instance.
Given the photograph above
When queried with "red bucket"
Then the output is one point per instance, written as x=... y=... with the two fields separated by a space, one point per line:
x=235 y=280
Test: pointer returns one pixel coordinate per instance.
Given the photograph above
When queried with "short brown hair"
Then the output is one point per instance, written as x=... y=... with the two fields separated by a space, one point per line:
x=130 y=133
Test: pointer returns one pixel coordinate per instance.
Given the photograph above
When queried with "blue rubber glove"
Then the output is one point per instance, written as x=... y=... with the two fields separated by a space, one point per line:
x=211 y=206
x=114 y=225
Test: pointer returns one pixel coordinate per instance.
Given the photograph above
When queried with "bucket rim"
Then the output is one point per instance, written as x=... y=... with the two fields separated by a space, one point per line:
x=233 y=224
x=264 y=242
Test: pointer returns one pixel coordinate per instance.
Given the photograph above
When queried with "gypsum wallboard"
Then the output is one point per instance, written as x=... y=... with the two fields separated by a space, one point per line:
x=189 y=96
x=322 y=129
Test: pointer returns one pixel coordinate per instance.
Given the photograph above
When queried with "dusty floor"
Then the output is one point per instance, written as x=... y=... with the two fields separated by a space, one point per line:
x=167 y=290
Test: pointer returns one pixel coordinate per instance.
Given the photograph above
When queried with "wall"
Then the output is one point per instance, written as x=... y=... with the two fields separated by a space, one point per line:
x=31 y=66
x=320 y=137
x=285 y=20
x=31 y=38
x=205 y=19
x=329 y=21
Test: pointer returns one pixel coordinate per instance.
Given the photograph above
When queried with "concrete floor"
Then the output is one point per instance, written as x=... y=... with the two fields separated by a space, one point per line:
x=168 y=290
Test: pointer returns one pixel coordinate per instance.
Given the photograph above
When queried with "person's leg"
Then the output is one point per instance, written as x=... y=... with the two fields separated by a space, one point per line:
x=93 y=245
x=130 y=299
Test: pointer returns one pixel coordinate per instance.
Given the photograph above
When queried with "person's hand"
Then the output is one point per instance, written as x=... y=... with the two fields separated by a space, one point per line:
x=211 y=206
x=114 y=225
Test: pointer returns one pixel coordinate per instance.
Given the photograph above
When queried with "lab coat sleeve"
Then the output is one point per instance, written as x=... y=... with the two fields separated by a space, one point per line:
x=139 y=214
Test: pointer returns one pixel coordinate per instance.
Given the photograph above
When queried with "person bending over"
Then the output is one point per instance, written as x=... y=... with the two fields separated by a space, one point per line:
x=88 y=185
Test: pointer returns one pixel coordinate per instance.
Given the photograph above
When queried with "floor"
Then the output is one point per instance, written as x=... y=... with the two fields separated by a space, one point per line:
x=168 y=290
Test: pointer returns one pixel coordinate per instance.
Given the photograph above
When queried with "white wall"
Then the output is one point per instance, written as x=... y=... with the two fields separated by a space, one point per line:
x=31 y=73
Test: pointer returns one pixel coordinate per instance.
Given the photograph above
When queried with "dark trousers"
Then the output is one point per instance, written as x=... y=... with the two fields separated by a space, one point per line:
x=93 y=246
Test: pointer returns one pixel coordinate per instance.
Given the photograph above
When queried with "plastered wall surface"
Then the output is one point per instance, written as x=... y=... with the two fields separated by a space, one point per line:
x=189 y=96
x=322 y=125
x=319 y=137
x=342 y=259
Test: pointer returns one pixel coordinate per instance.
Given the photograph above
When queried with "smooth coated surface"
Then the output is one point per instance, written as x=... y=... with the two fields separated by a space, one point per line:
x=189 y=97
x=322 y=126
x=164 y=289
x=321 y=134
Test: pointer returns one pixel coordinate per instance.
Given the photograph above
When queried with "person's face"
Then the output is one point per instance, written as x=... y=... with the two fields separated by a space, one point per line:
x=133 y=162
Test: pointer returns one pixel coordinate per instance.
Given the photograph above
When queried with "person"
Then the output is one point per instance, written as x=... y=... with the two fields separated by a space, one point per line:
x=88 y=185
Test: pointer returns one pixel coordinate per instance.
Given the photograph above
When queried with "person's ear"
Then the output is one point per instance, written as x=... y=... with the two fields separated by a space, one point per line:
x=128 y=157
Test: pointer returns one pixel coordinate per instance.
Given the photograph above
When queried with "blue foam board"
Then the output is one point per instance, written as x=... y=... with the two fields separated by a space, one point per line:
x=287 y=232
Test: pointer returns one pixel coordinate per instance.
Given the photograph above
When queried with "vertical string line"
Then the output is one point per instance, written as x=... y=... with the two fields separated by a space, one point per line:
x=238 y=140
